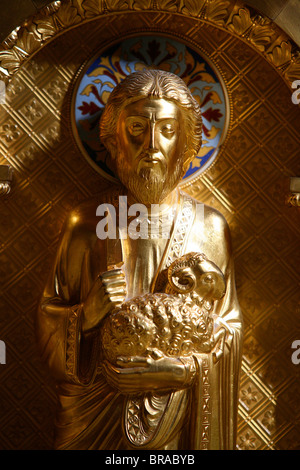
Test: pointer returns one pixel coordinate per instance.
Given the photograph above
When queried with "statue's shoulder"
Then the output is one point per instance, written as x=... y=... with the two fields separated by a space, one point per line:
x=84 y=215
x=212 y=218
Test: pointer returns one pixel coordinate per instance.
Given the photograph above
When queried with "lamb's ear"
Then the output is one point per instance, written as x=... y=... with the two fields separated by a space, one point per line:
x=182 y=280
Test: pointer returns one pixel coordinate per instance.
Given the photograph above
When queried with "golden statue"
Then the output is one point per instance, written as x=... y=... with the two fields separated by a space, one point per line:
x=142 y=330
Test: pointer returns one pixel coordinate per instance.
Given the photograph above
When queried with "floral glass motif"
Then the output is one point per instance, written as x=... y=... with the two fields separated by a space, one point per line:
x=105 y=72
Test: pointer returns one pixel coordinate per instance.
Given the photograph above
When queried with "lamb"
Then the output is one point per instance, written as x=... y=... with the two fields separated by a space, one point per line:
x=176 y=320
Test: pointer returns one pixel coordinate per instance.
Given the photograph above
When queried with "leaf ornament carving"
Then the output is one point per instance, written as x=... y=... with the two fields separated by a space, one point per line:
x=139 y=5
x=92 y=8
x=117 y=5
x=241 y=22
x=66 y=16
x=168 y=5
x=45 y=29
x=229 y=14
x=293 y=71
x=193 y=7
x=28 y=42
x=281 y=54
x=10 y=59
x=261 y=36
x=217 y=11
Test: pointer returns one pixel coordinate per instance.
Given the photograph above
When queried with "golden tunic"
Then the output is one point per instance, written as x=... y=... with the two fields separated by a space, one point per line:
x=90 y=410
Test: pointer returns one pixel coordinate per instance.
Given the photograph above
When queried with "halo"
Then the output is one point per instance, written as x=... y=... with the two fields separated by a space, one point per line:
x=103 y=72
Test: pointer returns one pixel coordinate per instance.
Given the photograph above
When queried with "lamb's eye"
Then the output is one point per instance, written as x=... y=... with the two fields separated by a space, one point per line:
x=208 y=278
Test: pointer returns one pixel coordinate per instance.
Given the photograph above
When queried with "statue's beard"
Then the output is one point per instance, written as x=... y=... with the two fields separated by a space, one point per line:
x=151 y=185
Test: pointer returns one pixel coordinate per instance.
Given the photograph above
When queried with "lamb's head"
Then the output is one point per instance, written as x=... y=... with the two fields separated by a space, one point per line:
x=195 y=273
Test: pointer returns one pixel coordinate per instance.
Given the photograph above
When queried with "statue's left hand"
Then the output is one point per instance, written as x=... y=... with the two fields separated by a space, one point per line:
x=141 y=374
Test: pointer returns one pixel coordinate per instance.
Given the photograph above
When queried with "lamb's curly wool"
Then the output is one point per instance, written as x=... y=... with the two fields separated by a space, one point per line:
x=165 y=324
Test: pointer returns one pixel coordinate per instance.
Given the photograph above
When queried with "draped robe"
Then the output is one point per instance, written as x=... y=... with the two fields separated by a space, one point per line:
x=89 y=413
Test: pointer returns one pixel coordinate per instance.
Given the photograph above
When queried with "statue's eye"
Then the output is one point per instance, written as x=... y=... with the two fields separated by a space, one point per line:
x=167 y=130
x=136 y=128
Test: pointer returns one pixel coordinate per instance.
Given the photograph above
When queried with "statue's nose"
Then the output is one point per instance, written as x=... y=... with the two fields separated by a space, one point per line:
x=152 y=147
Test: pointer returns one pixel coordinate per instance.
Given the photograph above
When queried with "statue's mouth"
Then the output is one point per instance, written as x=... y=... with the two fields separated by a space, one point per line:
x=150 y=160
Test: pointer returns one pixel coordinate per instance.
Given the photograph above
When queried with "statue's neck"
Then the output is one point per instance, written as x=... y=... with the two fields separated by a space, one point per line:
x=157 y=209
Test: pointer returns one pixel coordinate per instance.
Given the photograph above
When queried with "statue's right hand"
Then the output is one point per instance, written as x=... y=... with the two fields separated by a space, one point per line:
x=107 y=292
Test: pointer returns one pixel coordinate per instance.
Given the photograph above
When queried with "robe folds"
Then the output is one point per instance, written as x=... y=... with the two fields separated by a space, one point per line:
x=90 y=411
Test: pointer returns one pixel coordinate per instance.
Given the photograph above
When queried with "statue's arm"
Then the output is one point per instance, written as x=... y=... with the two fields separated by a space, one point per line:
x=228 y=323
x=142 y=374
x=227 y=311
x=60 y=311
x=74 y=301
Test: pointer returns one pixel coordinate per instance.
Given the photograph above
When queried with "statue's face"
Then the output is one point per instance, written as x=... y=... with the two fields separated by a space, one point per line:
x=151 y=144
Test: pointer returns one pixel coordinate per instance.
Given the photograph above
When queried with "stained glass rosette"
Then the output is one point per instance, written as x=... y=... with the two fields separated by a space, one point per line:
x=104 y=72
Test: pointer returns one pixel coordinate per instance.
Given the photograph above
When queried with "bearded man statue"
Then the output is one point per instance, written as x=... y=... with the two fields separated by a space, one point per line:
x=163 y=307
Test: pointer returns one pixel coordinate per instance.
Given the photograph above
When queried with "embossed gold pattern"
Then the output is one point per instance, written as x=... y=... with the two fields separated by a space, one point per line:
x=247 y=184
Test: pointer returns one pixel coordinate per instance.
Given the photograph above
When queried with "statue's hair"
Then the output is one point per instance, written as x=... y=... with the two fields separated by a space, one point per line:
x=154 y=84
